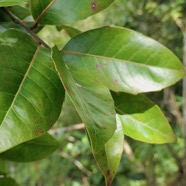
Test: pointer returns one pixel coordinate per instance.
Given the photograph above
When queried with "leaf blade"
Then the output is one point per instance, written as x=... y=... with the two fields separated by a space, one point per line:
x=143 y=120
x=109 y=157
x=11 y=2
x=112 y=57
x=62 y=12
x=31 y=93
x=33 y=150
x=99 y=120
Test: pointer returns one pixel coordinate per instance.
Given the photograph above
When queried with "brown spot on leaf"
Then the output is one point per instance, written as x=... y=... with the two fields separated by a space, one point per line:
x=116 y=80
x=36 y=132
x=99 y=67
x=36 y=121
x=108 y=173
x=50 y=121
x=36 y=166
x=94 y=6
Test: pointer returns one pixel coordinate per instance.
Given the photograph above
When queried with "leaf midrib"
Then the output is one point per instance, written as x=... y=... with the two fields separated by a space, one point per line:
x=145 y=125
x=142 y=123
x=22 y=82
x=110 y=58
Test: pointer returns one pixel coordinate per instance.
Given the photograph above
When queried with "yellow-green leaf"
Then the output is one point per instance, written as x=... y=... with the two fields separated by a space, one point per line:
x=142 y=119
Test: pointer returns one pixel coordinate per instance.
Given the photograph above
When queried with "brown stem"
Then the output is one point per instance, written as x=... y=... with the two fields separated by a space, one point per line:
x=42 y=14
x=77 y=163
x=80 y=126
x=18 y=21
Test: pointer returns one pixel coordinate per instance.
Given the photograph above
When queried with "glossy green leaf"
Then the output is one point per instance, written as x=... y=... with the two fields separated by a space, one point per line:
x=93 y=102
x=142 y=119
x=109 y=157
x=33 y=150
x=8 y=182
x=31 y=93
x=11 y=2
x=66 y=11
x=122 y=60
x=95 y=106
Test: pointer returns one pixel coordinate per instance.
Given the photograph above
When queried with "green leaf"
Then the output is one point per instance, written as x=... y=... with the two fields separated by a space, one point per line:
x=3 y=167
x=33 y=150
x=66 y=11
x=11 y=2
x=122 y=60
x=93 y=102
x=142 y=119
x=19 y=11
x=95 y=106
x=31 y=93
x=72 y=32
x=7 y=182
x=109 y=157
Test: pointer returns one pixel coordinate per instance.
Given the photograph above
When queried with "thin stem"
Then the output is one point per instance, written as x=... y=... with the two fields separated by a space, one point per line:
x=67 y=129
x=18 y=21
x=77 y=163
x=179 y=23
x=42 y=14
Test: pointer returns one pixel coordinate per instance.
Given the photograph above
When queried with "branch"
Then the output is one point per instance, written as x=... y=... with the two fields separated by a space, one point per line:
x=177 y=159
x=179 y=23
x=171 y=105
x=77 y=163
x=67 y=129
x=18 y=21
x=42 y=14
